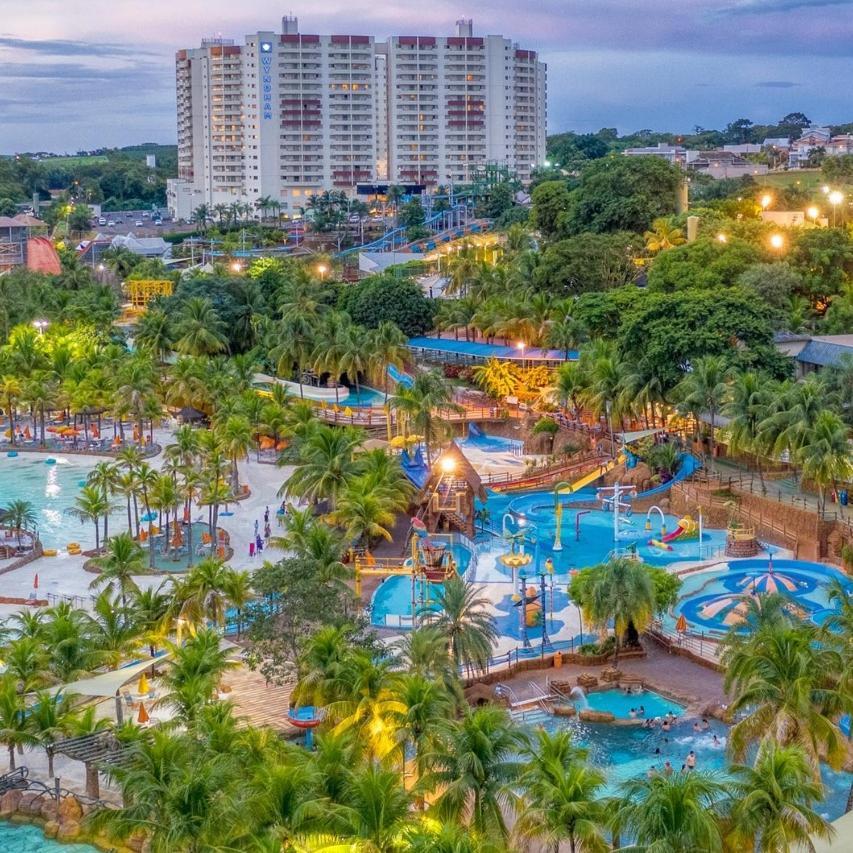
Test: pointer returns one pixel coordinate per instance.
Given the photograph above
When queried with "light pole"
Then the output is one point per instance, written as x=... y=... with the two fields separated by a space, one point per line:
x=521 y=346
x=522 y=582
x=835 y=198
x=322 y=269
x=41 y=325
x=608 y=408
x=546 y=640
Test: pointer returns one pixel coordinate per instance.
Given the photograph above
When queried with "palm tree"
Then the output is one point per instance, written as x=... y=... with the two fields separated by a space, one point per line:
x=104 y=476
x=153 y=333
x=363 y=515
x=201 y=595
x=463 y=617
x=425 y=702
x=325 y=463
x=124 y=559
x=48 y=720
x=237 y=439
x=424 y=652
x=19 y=515
x=672 y=814
x=14 y=727
x=41 y=393
x=620 y=590
x=420 y=406
x=89 y=505
x=499 y=378
x=773 y=802
x=561 y=794
x=746 y=408
x=663 y=236
x=387 y=348
x=703 y=391
x=238 y=593
x=825 y=457
x=785 y=689
x=472 y=765
x=198 y=329
x=11 y=391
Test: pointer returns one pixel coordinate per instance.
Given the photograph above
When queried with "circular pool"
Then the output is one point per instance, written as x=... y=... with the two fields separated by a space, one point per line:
x=719 y=599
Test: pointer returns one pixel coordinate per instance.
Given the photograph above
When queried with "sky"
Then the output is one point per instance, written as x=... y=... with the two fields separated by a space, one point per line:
x=81 y=74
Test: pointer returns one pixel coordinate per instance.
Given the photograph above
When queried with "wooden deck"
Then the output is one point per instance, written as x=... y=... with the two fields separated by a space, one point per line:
x=259 y=704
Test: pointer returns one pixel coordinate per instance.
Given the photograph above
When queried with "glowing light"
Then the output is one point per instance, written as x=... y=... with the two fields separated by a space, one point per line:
x=236 y=266
x=835 y=197
x=777 y=241
x=813 y=212
x=448 y=465
x=721 y=238
x=766 y=201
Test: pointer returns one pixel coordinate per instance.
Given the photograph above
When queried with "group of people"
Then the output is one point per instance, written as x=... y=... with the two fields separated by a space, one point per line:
x=666 y=725
x=668 y=769
x=256 y=545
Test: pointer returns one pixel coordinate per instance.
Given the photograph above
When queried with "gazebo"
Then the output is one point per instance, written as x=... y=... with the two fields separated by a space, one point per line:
x=190 y=415
x=447 y=498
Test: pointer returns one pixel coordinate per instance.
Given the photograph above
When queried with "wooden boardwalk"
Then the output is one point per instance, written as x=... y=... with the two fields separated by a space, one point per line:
x=259 y=704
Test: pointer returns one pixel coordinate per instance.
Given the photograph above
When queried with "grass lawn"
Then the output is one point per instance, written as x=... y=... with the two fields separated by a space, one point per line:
x=76 y=161
x=806 y=178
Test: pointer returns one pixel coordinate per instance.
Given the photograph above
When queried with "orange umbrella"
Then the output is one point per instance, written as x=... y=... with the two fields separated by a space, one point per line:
x=143 y=717
x=186 y=515
x=36 y=581
x=681 y=624
x=27 y=433
x=143 y=685
x=177 y=538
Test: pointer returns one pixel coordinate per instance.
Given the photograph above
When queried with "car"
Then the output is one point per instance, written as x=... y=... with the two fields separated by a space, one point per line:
x=111 y=224
x=158 y=221
x=139 y=223
x=102 y=221
x=145 y=214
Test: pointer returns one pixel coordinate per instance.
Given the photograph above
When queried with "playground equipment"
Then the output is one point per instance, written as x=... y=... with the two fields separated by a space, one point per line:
x=307 y=718
x=142 y=291
x=588 y=479
x=429 y=561
x=516 y=558
x=532 y=606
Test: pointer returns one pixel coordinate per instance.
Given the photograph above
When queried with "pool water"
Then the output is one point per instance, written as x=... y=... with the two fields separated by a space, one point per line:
x=535 y=510
x=715 y=600
x=364 y=398
x=30 y=839
x=392 y=600
x=620 y=704
x=52 y=490
x=627 y=752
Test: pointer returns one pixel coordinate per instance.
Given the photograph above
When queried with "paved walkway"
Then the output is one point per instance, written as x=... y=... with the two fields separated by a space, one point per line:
x=690 y=682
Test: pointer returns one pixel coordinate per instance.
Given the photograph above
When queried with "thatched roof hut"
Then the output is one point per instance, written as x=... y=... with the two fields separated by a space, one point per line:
x=448 y=496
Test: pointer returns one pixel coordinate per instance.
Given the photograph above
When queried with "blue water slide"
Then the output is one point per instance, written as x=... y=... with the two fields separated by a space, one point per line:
x=399 y=377
x=689 y=465
x=415 y=468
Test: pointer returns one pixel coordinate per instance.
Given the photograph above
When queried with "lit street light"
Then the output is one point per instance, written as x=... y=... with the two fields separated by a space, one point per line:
x=813 y=213
x=322 y=269
x=766 y=201
x=721 y=238
x=236 y=266
x=41 y=325
x=835 y=198
x=777 y=241
x=521 y=345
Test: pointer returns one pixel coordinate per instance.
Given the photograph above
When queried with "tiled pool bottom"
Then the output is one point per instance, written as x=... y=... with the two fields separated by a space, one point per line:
x=628 y=752
x=30 y=839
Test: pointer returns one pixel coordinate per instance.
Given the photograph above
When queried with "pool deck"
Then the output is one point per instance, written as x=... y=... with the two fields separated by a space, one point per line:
x=697 y=686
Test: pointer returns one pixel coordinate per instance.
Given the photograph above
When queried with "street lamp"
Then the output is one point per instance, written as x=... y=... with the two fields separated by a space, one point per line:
x=835 y=198
x=236 y=266
x=721 y=238
x=766 y=200
x=813 y=213
x=41 y=325
x=777 y=241
x=521 y=345
x=322 y=269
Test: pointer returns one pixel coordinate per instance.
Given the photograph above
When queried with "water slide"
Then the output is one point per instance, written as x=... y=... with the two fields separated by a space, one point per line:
x=689 y=464
x=399 y=377
x=590 y=478
x=415 y=468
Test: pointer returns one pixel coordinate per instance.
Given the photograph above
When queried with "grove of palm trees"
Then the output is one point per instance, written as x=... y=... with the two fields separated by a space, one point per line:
x=206 y=403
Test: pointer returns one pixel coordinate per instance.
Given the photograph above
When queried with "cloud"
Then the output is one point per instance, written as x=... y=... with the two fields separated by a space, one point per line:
x=61 y=72
x=64 y=47
x=777 y=84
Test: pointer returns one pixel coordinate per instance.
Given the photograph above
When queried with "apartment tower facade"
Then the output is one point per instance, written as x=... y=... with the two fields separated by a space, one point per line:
x=287 y=115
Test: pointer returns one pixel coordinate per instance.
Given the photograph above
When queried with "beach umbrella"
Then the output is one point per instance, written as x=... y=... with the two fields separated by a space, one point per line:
x=681 y=624
x=143 y=684
x=27 y=433
x=143 y=717
x=768 y=582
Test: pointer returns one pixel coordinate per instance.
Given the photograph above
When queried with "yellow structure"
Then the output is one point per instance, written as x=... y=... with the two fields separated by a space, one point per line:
x=413 y=566
x=142 y=291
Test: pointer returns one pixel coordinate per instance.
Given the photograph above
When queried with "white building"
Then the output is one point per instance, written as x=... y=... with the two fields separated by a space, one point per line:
x=675 y=154
x=287 y=115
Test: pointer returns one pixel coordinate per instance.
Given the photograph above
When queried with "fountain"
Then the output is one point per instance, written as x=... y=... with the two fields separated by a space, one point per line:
x=578 y=695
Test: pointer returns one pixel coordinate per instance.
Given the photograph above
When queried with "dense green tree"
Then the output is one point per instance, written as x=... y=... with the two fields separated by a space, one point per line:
x=704 y=264
x=387 y=298
x=550 y=204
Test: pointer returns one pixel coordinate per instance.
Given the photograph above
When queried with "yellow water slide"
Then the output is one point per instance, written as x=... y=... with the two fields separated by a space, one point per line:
x=597 y=474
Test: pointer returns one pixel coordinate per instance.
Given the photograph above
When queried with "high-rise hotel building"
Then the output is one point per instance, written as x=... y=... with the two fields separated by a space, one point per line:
x=286 y=115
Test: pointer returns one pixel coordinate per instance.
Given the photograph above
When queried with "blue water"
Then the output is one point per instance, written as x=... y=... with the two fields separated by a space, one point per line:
x=52 y=490
x=535 y=511
x=620 y=705
x=30 y=839
x=492 y=444
x=626 y=752
x=392 y=600
x=726 y=587
x=364 y=398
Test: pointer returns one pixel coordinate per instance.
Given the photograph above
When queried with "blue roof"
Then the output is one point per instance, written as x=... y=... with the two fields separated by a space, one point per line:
x=823 y=353
x=480 y=350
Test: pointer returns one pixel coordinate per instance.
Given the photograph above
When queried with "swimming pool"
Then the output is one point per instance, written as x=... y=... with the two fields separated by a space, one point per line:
x=620 y=704
x=30 y=839
x=535 y=511
x=718 y=599
x=479 y=440
x=364 y=398
x=391 y=605
x=51 y=489
x=628 y=752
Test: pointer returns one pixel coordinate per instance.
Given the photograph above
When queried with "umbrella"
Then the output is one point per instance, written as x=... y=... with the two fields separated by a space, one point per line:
x=768 y=582
x=143 y=717
x=27 y=433
x=143 y=684
x=347 y=412
x=681 y=624
x=149 y=516
x=36 y=581
x=177 y=538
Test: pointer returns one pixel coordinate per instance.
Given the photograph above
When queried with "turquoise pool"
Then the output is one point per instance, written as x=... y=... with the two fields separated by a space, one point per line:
x=51 y=489
x=364 y=398
x=30 y=839
x=716 y=600
x=392 y=601
x=620 y=704
x=627 y=752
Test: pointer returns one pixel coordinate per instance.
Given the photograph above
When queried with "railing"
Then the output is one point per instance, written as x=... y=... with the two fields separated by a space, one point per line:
x=538 y=477
x=701 y=645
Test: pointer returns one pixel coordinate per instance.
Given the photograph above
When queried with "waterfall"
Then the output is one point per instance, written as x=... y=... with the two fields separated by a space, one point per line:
x=577 y=695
